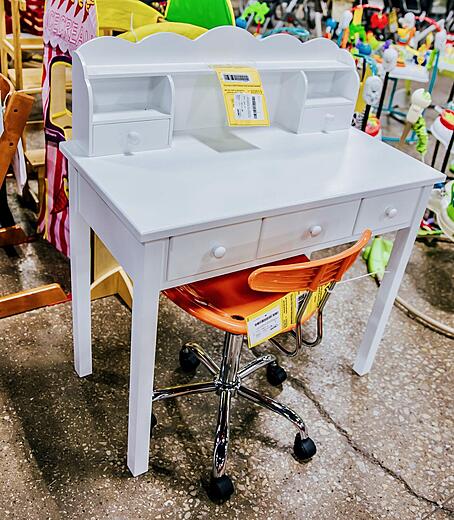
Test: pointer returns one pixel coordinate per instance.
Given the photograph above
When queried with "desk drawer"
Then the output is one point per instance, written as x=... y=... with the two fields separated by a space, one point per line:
x=212 y=249
x=386 y=211
x=132 y=136
x=325 y=119
x=307 y=228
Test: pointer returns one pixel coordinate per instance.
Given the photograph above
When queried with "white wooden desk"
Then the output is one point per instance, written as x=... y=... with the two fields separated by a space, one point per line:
x=262 y=194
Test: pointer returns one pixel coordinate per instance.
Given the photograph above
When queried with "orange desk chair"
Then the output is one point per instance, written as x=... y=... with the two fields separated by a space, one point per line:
x=224 y=302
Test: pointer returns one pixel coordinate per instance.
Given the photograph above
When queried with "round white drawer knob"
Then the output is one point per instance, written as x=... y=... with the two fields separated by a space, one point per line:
x=134 y=138
x=219 y=251
x=329 y=118
x=314 y=231
x=390 y=212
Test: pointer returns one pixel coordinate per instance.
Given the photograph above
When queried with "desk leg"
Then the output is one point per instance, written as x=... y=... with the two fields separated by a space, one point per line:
x=145 y=307
x=80 y=281
x=403 y=245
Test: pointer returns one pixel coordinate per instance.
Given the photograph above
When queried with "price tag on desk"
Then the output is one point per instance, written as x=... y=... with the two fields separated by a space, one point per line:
x=280 y=316
x=244 y=98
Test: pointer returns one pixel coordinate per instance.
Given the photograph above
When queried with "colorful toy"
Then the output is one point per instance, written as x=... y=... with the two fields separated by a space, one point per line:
x=420 y=100
x=441 y=202
x=343 y=29
x=135 y=20
x=379 y=21
x=390 y=56
x=371 y=93
x=393 y=23
x=299 y=32
x=407 y=30
x=377 y=256
x=420 y=130
x=357 y=32
x=373 y=127
x=414 y=64
x=331 y=25
x=443 y=131
x=428 y=227
x=257 y=12
x=185 y=29
x=203 y=13
x=127 y=15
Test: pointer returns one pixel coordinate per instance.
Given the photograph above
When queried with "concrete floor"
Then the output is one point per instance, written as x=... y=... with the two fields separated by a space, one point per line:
x=384 y=440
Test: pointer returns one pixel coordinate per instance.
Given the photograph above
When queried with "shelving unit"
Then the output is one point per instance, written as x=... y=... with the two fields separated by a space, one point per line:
x=130 y=114
x=151 y=69
x=137 y=98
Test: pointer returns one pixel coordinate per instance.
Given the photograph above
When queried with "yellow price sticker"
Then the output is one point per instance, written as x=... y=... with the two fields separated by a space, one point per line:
x=280 y=315
x=244 y=97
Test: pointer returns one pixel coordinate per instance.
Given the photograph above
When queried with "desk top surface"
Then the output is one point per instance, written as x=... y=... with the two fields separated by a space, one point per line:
x=221 y=176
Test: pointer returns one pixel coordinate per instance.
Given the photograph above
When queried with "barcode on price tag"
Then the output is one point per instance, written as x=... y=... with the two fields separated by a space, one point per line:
x=299 y=300
x=280 y=315
x=248 y=107
x=264 y=326
x=244 y=97
x=237 y=78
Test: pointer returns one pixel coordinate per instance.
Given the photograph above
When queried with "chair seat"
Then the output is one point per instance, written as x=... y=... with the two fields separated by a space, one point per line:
x=225 y=301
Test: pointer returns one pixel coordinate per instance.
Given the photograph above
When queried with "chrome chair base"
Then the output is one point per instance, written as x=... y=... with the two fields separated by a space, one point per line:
x=227 y=382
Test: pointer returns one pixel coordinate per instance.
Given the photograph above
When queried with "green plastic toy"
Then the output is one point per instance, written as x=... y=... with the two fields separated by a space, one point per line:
x=259 y=10
x=441 y=202
x=357 y=31
x=421 y=134
x=377 y=256
x=203 y=13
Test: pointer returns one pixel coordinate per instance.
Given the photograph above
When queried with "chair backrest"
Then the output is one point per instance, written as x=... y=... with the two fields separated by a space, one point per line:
x=18 y=109
x=307 y=276
x=6 y=87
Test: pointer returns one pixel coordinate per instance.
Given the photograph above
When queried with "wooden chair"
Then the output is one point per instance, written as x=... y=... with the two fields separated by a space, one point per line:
x=18 y=107
x=23 y=34
x=12 y=46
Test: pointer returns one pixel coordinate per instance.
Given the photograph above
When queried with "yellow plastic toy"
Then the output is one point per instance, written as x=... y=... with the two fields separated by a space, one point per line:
x=136 y=20
x=185 y=29
x=124 y=15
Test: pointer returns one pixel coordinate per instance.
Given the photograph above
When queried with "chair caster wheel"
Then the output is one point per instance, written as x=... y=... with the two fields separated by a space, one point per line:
x=304 y=449
x=154 y=422
x=188 y=360
x=275 y=374
x=220 y=489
